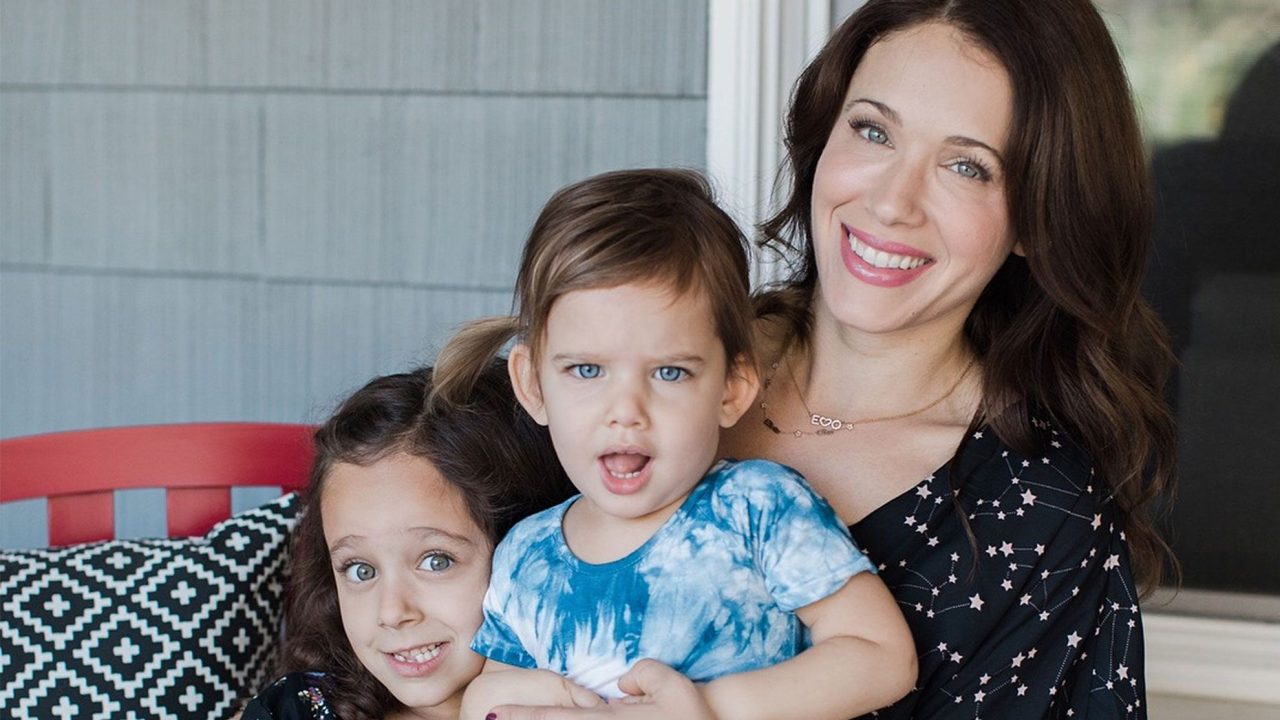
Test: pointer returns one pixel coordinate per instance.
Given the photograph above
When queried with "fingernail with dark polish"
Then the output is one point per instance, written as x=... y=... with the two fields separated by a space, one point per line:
x=491 y=716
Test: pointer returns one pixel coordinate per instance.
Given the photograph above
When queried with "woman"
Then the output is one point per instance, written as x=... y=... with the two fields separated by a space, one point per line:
x=962 y=364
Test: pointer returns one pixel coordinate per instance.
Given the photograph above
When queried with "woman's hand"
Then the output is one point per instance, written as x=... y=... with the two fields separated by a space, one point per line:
x=654 y=692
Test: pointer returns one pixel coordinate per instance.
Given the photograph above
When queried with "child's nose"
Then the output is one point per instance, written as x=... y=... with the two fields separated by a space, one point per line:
x=628 y=407
x=397 y=604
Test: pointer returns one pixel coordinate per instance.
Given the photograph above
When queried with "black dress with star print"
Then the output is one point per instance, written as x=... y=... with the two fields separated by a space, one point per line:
x=1044 y=621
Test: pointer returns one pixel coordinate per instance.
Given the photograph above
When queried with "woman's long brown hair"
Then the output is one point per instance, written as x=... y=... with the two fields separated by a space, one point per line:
x=1064 y=332
x=498 y=459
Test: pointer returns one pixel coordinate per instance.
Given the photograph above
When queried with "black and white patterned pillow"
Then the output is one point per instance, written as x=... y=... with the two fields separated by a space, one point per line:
x=172 y=628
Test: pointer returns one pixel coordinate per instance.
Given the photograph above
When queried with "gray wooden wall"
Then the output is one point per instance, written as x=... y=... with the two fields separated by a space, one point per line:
x=243 y=209
x=239 y=210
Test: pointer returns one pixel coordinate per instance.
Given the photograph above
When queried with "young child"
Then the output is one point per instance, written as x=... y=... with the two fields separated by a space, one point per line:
x=634 y=347
x=391 y=558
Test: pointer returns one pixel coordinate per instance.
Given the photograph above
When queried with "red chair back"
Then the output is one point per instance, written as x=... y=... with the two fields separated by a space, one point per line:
x=196 y=463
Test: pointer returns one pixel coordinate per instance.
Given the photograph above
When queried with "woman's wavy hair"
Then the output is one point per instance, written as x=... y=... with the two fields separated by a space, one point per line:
x=485 y=446
x=1064 y=331
x=626 y=226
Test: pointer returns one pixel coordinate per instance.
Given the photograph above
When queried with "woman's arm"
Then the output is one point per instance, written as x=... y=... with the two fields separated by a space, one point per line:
x=499 y=684
x=862 y=659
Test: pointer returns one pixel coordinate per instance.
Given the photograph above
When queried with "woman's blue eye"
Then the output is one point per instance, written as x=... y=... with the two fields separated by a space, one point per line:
x=872 y=134
x=669 y=373
x=358 y=572
x=586 y=371
x=970 y=169
x=436 y=562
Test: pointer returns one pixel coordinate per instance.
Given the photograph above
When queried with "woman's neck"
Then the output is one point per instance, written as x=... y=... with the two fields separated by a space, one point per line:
x=843 y=371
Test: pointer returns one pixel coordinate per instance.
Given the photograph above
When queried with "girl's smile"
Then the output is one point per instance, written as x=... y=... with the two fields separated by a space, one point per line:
x=411 y=568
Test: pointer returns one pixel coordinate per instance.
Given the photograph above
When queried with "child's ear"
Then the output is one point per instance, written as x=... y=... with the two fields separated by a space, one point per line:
x=524 y=380
x=741 y=385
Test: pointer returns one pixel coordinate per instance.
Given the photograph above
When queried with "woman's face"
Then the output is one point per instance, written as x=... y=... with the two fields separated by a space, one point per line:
x=411 y=568
x=909 y=217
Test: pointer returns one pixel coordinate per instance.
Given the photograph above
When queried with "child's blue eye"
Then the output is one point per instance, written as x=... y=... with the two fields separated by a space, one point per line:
x=671 y=373
x=586 y=371
x=436 y=562
x=358 y=572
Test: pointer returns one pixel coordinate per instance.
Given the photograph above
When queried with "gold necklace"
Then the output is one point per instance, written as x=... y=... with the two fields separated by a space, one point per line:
x=825 y=425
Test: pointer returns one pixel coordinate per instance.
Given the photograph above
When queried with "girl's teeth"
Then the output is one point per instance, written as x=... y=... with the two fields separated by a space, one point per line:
x=882 y=259
x=420 y=655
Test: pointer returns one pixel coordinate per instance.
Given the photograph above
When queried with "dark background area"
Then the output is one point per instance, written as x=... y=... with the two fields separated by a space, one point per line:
x=1215 y=278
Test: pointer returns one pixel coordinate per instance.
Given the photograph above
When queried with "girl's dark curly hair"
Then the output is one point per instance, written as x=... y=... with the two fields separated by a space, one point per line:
x=500 y=461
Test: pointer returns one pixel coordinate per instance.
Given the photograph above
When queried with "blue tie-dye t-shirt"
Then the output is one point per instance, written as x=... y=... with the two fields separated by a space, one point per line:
x=713 y=592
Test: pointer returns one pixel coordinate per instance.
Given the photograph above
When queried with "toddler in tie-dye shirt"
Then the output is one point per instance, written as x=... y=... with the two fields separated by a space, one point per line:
x=634 y=347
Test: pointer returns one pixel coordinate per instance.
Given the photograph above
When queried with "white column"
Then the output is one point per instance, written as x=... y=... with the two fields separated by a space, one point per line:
x=756 y=50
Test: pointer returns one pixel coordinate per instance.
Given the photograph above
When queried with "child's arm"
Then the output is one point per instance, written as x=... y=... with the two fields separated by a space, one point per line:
x=502 y=684
x=862 y=659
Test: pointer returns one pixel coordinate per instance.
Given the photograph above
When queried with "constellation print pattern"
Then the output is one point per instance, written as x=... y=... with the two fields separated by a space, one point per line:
x=1042 y=621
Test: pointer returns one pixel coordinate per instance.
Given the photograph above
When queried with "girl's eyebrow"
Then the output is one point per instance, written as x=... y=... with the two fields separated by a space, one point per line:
x=892 y=114
x=348 y=541
x=689 y=359
x=685 y=358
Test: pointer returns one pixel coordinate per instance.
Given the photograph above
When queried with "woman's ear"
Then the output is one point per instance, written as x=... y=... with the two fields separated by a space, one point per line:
x=1017 y=249
x=741 y=385
x=524 y=380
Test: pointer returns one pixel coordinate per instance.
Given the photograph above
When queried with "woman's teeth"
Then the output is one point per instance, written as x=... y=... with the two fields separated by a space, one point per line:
x=418 y=655
x=882 y=259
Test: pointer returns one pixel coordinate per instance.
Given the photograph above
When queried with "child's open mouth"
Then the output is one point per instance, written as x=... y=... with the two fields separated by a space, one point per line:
x=624 y=472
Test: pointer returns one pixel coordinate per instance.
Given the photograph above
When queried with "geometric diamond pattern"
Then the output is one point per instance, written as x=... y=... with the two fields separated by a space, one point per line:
x=169 y=628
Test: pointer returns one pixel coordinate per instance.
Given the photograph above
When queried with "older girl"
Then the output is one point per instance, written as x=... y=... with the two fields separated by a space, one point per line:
x=406 y=503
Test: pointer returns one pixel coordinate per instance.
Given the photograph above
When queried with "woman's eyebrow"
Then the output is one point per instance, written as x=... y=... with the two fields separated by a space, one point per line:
x=885 y=109
x=963 y=141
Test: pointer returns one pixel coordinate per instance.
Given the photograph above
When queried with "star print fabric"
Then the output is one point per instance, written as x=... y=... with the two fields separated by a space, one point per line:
x=1044 y=621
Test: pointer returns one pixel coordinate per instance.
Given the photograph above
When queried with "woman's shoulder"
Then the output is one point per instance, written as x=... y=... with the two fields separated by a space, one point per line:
x=296 y=696
x=1055 y=467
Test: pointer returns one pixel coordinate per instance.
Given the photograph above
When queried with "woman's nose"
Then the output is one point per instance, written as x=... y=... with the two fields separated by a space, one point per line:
x=894 y=198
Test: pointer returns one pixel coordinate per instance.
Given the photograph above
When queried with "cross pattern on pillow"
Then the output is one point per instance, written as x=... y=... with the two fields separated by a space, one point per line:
x=169 y=628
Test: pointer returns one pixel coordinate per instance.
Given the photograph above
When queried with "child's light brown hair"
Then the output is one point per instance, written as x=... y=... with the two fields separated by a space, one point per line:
x=628 y=226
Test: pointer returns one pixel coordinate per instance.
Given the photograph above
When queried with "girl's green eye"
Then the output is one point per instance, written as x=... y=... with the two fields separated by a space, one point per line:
x=436 y=562
x=359 y=572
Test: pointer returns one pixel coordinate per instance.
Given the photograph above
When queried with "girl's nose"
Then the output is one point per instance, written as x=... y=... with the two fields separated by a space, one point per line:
x=627 y=407
x=397 y=604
